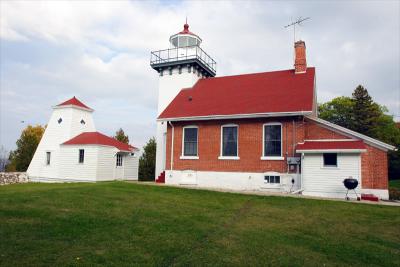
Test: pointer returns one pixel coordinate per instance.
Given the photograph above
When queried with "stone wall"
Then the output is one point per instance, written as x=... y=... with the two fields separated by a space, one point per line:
x=13 y=178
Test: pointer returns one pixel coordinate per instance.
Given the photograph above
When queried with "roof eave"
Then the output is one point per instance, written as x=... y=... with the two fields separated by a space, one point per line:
x=238 y=116
x=369 y=140
x=330 y=150
x=73 y=106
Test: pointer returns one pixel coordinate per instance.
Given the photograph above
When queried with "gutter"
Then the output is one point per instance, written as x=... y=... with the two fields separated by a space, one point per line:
x=238 y=116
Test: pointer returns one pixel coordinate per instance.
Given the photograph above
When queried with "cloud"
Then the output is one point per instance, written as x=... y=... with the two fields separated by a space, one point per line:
x=99 y=51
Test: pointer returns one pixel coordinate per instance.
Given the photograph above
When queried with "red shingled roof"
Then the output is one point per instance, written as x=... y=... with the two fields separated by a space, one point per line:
x=96 y=138
x=331 y=145
x=74 y=102
x=267 y=92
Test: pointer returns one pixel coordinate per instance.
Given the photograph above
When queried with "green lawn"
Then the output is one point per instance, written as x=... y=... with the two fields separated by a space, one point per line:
x=121 y=223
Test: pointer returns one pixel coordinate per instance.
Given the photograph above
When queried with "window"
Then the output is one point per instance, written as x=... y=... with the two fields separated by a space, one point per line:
x=192 y=41
x=273 y=140
x=330 y=159
x=82 y=121
x=48 y=156
x=175 y=41
x=183 y=41
x=229 y=141
x=119 y=160
x=190 y=140
x=59 y=120
x=270 y=179
x=81 y=155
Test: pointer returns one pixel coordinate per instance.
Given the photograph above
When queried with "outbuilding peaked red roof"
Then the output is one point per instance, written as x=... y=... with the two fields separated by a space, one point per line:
x=96 y=138
x=331 y=145
x=74 y=102
x=258 y=93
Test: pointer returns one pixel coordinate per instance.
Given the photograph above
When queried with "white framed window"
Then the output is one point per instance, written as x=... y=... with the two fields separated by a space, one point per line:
x=190 y=141
x=48 y=157
x=272 y=179
x=330 y=160
x=229 y=141
x=272 y=141
x=119 y=160
x=81 y=155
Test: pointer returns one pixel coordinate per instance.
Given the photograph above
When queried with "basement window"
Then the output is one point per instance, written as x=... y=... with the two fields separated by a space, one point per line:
x=330 y=159
x=81 y=155
x=119 y=160
x=272 y=179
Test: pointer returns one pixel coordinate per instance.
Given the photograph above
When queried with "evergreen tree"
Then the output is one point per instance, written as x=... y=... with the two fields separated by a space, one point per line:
x=147 y=162
x=366 y=113
x=26 y=147
x=361 y=114
x=120 y=136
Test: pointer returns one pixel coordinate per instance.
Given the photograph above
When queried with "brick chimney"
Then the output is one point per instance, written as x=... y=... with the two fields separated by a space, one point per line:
x=300 y=63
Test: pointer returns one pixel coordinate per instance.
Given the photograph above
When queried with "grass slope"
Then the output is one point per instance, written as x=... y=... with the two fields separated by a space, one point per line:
x=121 y=223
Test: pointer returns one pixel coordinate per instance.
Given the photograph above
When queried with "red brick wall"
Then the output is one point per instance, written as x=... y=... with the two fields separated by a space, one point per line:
x=250 y=146
x=374 y=161
x=374 y=169
x=315 y=131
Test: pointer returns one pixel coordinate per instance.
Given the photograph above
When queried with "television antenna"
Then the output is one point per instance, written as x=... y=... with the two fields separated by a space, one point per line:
x=294 y=23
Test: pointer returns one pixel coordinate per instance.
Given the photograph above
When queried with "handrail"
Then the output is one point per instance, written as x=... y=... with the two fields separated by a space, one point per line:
x=173 y=54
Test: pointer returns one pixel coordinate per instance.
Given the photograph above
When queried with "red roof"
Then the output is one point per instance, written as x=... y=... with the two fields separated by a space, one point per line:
x=267 y=92
x=186 y=30
x=331 y=145
x=96 y=138
x=74 y=102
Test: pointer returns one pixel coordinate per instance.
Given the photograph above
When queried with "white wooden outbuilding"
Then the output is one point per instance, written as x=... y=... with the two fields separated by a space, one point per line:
x=72 y=151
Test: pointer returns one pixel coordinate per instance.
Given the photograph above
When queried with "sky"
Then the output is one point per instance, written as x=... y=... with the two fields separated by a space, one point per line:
x=99 y=51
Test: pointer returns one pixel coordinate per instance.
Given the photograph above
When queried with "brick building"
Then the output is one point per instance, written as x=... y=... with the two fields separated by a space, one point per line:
x=257 y=131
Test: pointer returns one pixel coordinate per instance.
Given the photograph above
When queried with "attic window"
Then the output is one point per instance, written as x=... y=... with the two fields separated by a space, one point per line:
x=59 y=120
x=83 y=122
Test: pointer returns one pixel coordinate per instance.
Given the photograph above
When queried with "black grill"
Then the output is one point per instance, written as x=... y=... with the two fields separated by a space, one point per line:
x=350 y=184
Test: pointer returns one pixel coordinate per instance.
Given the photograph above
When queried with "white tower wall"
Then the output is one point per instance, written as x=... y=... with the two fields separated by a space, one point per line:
x=169 y=86
x=56 y=134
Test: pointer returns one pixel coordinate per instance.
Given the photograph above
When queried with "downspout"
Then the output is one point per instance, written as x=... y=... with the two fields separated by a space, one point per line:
x=301 y=177
x=172 y=146
x=293 y=133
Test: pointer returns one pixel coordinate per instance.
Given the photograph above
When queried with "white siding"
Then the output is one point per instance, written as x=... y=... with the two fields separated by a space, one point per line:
x=131 y=167
x=56 y=134
x=106 y=169
x=71 y=169
x=328 y=181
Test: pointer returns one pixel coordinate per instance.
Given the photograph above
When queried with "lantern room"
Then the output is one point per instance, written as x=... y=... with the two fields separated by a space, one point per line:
x=184 y=38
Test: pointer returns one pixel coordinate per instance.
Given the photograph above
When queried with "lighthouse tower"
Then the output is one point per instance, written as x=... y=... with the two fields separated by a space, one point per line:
x=179 y=66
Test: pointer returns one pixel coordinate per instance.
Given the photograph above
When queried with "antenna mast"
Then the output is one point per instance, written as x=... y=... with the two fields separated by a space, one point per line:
x=298 y=22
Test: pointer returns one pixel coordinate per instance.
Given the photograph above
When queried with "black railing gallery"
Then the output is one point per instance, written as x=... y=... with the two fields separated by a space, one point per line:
x=182 y=54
